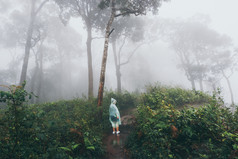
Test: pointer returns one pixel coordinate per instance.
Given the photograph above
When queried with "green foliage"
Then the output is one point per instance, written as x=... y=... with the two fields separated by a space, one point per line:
x=150 y=138
x=15 y=123
x=158 y=95
x=73 y=129
x=209 y=131
x=64 y=129
x=125 y=100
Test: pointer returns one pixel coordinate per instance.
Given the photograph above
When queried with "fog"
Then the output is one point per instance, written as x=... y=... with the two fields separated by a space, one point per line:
x=61 y=50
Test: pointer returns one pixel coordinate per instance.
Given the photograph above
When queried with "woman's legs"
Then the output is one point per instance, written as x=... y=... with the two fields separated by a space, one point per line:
x=117 y=127
x=113 y=127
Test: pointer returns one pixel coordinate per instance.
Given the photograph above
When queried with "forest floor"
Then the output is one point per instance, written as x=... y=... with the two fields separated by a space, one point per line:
x=114 y=143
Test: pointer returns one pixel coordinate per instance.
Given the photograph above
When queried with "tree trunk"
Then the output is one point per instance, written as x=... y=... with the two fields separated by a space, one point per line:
x=33 y=79
x=34 y=12
x=201 y=84
x=117 y=66
x=40 y=77
x=60 y=87
x=193 y=84
x=28 y=43
x=104 y=58
x=90 y=68
x=229 y=86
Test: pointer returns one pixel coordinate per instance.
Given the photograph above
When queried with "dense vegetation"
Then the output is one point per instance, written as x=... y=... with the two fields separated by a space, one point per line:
x=163 y=128
x=63 y=129
x=163 y=131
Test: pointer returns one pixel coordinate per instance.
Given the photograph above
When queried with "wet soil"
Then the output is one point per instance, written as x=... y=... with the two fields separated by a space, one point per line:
x=115 y=143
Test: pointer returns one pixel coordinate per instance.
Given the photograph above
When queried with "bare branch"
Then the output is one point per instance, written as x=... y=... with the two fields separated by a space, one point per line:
x=119 y=52
x=111 y=32
x=132 y=53
x=79 y=9
x=40 y=7
x=97 y=38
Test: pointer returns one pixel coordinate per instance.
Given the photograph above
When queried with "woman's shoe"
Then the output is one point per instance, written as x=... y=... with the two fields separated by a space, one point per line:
x=118 y=132
x=113 y=132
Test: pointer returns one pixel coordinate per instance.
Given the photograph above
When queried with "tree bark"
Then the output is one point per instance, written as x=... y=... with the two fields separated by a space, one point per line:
x=104 y=58
x=117 y=66
x=28 y=43
x=201 y=84
x=89 y=54
x=193 y=84
x=40 y=78
x=229 y=86
x=34 y=77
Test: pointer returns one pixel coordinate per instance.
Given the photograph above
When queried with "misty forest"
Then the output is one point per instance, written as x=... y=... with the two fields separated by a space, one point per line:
x=118 y=79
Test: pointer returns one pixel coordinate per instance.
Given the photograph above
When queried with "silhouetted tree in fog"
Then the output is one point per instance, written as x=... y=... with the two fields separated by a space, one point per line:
x=194 y=42
x=36 y=6
x=223 y=64
x=90 y=13
x=125 y=29
x=121 y=8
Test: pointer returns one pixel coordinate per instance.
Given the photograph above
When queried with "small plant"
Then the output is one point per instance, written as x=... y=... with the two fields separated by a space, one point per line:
x=16 y=119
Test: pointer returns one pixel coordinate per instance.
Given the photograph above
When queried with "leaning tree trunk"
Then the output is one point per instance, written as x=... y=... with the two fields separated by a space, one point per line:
x=28 y=43
x=117 y=66
x=229 y=86
x=104 y=58
x=90 y=68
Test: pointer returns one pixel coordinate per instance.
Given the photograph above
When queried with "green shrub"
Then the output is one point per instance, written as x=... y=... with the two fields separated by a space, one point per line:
x=156 y=95
x=162 y=131
x=64 y=129
x=125 y=100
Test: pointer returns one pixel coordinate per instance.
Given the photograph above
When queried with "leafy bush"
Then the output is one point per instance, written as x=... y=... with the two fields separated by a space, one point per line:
x=64 y=129
x=156 y=95
x=162 y=131
x=125 y=100
x=16 y=135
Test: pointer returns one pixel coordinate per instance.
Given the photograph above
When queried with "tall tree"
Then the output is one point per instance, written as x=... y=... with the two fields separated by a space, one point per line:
x=223 y=63
x=117 y=9
x=126 y=29
x=90 y=13
x=193 y=42
x=34 y=11
x=61 y=46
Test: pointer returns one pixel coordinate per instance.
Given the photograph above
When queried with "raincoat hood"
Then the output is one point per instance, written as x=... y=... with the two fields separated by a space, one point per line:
x=113 y=101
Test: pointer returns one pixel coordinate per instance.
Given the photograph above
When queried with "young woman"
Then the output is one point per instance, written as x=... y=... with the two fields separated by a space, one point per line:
x=114 y=116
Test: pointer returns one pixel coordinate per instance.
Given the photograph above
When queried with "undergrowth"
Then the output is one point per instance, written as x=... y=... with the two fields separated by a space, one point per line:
x=163 y=131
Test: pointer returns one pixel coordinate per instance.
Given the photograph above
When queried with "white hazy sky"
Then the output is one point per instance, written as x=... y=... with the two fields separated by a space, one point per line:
x=223 y=13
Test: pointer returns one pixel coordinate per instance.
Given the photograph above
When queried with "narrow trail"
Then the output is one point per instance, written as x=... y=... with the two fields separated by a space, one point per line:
x=115 y=143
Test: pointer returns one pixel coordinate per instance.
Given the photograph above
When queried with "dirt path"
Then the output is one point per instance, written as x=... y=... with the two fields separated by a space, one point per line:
x=115 y=143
